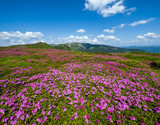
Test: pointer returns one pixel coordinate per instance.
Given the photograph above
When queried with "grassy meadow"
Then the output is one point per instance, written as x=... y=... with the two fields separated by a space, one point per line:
x=50 y=87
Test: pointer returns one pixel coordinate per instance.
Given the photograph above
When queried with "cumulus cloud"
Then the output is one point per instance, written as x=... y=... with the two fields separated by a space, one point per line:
x=148 y=36
x=140 y=37
x=108 y=31
x=107 y=8
x=147 y=39
x=72 y=38
x=113 y=38
x=17 y=34
x=81 y=31
x=20 y=38
x=100 y=39
x=152 y=35
x=142 y=22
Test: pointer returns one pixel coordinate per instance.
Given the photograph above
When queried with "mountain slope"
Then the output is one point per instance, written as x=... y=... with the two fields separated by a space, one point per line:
x=79 y=47
x=86 y=47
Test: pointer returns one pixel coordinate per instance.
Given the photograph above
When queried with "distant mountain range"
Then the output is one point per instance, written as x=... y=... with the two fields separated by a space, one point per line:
x=79 y=47
x=151 y=49
x=86 y=47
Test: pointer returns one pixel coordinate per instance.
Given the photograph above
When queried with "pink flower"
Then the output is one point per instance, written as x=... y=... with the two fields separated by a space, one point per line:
x=56 y=117
x=0 y=116
x=118 y=122
x=34 y=111
x=22 y=117
x=18 y=113
x=157 y=123
x=91 y=104
x=64 y=109
x=118 y=116
x=97 y=121
x=145 y=109
x=43 y=112
x=87 y=121
x=123 y=117
x=13 y=122
x=49 y=112
x=12 y=117
x=27 y=115
x=2 y=110
x=44 y=119
x=109 y=117
x=75 y=115
x=39 y=120
x=5 y=119
x=86 y=118
x=131 y=117
x=72 y=117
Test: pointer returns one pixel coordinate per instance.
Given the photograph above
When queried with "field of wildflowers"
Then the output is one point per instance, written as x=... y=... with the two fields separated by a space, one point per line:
x=47 y=86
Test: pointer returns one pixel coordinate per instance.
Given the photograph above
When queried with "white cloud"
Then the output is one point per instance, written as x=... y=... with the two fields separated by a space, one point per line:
x=72 y=38
x=108 y=31
x=17 y=34
x=113 y=38
x=107 y=8
x=81 y=31
x=118 y=27
x=148 y=36
x=147 y=39
x=11 y=38
x=142 y=22
x=95 y=40
x=122 y=25
x=140 y=37
x=152 y=35
x=130 y=10
x=100 y=39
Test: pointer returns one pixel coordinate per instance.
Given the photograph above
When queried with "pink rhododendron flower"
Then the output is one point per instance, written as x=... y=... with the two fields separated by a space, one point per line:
x=5 y=119
x=56 y=117
x=97 y=121
x=49 y=112
x=39 y=120
x=64 y=109
x=118 y=122
x=131 y=117
x=43 y=112
x=109 y=117
x=27 y=115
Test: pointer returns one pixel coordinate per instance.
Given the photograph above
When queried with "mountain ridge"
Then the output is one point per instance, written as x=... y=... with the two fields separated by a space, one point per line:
x=79 y=47
x=87 y=47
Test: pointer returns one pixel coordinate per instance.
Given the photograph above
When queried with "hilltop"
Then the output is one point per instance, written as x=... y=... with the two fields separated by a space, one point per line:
x=36 y=45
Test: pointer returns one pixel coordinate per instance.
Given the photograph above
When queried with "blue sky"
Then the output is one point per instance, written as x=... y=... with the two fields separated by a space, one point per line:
x=110 y=22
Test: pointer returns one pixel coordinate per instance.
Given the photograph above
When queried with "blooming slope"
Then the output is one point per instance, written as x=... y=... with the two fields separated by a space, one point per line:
x=46 y=86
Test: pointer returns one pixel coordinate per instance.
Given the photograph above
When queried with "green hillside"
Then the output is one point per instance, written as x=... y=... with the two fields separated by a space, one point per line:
x=37 y=45
x=86 y=47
